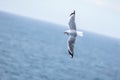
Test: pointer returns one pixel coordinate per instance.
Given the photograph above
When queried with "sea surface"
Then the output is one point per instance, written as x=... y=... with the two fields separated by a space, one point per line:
x=37 y=50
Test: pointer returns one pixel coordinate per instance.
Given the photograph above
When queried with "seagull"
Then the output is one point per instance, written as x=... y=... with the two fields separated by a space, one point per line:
x=72 y=33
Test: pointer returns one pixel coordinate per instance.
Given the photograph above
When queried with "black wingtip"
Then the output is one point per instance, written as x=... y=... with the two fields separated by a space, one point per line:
x=72 y=13
x=71 y=54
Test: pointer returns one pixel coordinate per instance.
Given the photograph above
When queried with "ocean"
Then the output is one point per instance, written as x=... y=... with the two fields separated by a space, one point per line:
x=37 y=50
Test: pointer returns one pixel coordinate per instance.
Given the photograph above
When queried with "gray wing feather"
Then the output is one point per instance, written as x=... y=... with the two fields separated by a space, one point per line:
x=71 y=41
x=72 y=23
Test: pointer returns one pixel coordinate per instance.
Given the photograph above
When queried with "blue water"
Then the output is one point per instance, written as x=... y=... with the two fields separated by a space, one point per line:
x=36 y=50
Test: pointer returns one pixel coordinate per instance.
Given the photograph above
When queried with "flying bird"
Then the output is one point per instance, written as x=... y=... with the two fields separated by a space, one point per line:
x=72 y=33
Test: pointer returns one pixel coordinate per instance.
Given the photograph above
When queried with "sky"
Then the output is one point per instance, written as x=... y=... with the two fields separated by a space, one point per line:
x=100 y=16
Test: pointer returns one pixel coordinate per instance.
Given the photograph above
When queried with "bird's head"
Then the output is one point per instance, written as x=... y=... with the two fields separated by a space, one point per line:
x=66 y=33
x=72 y=13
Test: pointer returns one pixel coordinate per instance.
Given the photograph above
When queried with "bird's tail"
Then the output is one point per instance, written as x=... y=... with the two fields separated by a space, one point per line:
x=80 y=33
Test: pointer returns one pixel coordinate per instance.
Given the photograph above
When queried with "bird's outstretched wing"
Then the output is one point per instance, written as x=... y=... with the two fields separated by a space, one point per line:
x=71 y=41
x=72 y=24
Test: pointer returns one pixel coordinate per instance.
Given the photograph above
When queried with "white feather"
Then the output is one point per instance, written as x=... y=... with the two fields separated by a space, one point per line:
x=79 y=33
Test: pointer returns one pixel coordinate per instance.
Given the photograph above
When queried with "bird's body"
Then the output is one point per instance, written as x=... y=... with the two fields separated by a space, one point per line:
x=72 y=34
